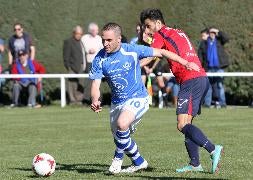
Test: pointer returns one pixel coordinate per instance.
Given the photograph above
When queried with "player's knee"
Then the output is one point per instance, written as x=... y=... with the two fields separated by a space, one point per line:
x=122 y=126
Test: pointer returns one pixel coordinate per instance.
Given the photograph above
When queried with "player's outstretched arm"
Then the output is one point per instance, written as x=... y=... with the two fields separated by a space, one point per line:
x=146 y=61
x=175 y=57
x=95 y=94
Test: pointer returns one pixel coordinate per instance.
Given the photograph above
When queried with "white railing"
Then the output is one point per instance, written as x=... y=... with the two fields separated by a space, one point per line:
x=62 y=77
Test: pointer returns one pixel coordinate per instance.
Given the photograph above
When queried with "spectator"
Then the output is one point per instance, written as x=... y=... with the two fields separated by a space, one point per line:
x=25 y=65
x=1 y=54
x=124 y=39
x=134 y=40
x=204 y=34
x=20 y=41
x=92 y=43
x=214 y=59
x=1 y=68
x=171 y=87
x=73 y=62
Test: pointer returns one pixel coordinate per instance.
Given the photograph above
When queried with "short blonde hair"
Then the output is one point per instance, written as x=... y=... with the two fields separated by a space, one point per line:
x=113 y=26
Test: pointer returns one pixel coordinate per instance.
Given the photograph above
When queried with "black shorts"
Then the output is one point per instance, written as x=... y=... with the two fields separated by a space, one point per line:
x=191 y=95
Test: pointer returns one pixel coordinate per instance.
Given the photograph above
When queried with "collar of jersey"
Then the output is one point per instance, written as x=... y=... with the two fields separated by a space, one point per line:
x=112 y=53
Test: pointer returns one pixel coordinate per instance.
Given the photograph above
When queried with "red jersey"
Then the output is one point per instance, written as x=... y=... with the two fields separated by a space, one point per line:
x=38 y=68
x=176 y=41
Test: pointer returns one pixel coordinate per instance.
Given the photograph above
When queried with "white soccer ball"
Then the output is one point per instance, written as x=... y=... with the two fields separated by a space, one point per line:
x=43 y=164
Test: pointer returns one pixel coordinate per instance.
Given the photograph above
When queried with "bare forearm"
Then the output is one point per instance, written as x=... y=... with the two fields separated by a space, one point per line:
x=173 y=57
x=169 y=55
x=32 y=52
x=95 y=92
x=10 y=58
x=145 y=61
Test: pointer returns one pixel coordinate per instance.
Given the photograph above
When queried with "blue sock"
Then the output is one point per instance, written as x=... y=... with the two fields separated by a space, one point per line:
x=198 y=137
x=119 y=153
x=133 y=153
x=121 y=140
x=193 y=151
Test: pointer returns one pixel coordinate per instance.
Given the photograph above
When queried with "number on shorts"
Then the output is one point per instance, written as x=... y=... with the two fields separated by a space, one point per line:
x=135 y=103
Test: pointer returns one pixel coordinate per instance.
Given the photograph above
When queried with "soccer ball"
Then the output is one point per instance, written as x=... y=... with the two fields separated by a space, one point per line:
x=43 y=164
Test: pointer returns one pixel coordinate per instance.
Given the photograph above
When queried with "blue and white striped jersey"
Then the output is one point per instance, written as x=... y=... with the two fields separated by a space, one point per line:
x=122 y=71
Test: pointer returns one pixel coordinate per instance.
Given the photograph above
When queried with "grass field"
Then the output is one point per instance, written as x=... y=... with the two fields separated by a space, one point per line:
x=81 y=143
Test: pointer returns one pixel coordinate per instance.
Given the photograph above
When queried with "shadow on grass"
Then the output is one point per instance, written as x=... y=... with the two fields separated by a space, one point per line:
x=172 y=178
x=28 y=170
x=107 y=173
x=103 y=168
x=83 y=168
x=80 y=168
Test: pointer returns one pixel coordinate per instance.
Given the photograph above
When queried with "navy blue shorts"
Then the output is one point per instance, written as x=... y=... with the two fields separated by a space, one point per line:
x=191 y=96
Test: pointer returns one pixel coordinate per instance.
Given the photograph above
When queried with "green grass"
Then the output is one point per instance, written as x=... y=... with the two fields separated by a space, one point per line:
x=82 y=145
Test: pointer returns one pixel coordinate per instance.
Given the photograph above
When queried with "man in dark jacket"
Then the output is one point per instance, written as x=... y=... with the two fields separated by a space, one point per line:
x=214 y=59
x=73 y=62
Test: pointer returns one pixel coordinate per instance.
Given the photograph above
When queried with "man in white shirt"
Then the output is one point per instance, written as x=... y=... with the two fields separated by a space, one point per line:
x=92 y=44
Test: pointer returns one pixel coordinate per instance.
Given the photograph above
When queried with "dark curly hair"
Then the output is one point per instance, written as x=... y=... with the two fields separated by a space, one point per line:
x=152 y=14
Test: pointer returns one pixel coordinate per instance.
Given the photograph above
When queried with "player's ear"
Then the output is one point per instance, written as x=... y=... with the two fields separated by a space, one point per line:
x=158 y=22
x=119 y=39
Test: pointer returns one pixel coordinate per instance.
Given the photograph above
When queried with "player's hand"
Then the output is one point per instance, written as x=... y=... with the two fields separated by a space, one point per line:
x=96 y=106
x=214 y=30
x=192 y=66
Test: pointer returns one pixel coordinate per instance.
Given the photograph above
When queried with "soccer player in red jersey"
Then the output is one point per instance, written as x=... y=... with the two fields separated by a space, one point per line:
x=193 y=87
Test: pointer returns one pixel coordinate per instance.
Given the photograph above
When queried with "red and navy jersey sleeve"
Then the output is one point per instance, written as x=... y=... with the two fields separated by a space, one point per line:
x=158 y=41
x=177 y=41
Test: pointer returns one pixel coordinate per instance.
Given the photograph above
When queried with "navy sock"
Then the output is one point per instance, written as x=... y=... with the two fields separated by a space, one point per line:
x=198 y=137
x=193 y=151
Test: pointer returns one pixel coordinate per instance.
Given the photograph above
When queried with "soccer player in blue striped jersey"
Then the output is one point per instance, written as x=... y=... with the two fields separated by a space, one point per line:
x=119 y=64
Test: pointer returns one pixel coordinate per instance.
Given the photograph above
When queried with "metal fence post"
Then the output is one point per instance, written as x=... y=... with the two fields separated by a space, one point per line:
x=63 y=92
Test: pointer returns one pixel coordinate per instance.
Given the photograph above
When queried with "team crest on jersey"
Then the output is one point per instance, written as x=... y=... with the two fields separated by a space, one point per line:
x=127 y=66
x=119 y=83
